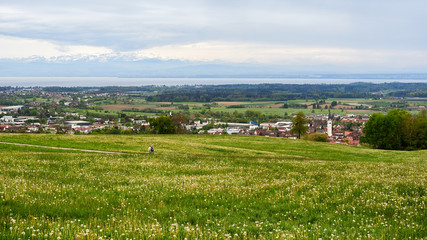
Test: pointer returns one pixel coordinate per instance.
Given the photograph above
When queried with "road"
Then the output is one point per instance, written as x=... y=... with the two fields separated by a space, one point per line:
x=62 y=148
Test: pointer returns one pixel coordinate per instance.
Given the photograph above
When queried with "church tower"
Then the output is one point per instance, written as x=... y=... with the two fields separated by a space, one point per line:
x=329 y=124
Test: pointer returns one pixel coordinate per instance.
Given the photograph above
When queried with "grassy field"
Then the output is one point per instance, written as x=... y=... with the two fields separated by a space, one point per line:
x=208 y=187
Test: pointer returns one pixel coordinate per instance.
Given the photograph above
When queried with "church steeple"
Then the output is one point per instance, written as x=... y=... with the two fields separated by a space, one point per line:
x=330 y=123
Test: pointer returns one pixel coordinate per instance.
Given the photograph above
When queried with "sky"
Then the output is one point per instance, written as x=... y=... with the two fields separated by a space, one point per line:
x=190 y=37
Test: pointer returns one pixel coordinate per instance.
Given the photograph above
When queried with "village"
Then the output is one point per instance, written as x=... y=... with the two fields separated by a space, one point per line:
x=340 y=129
x=111 y=110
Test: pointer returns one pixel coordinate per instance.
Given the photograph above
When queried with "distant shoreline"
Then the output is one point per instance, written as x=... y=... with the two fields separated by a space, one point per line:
x=117 y=81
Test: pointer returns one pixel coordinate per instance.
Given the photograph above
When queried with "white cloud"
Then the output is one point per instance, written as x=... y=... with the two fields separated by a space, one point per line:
x=19 y=48
x=282 y=54
x=214 y=51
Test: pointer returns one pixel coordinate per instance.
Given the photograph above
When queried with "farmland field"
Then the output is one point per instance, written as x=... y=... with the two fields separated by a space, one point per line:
x=265 y=107
x=208 y=187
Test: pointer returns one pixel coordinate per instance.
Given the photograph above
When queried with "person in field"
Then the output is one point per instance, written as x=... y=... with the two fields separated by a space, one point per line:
x=151 y=149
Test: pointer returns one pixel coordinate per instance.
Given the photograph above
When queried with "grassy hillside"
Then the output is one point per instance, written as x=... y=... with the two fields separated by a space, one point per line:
x=208 y=187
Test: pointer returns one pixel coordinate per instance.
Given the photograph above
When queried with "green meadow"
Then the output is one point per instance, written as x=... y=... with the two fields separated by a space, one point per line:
x=208 y=187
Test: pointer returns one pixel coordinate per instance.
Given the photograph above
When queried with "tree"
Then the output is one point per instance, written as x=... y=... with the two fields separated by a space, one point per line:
x=179 y=121
x=419 y=140
x=114 y=130
x=299 y=124
x=382 y=131
x=162 y=125
x=397 y=130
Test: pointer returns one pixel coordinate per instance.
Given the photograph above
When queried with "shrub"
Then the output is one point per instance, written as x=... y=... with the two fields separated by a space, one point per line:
x=127 y=131
x=318 y=137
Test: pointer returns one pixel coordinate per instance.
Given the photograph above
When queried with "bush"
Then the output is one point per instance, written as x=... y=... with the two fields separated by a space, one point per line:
x=318 y=137
x=127 y=131
x=236 y=106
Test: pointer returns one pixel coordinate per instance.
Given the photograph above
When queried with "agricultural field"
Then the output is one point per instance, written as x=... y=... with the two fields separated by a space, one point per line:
x=207 y=187
x=346 y=106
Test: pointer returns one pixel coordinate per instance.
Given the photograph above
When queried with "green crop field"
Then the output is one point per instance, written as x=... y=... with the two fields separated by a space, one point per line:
x=208 y=187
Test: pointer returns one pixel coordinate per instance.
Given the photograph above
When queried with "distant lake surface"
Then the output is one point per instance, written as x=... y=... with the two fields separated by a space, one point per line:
x=115 y=81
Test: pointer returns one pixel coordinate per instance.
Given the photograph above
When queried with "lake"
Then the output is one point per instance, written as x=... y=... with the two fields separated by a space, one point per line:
x=116 y=81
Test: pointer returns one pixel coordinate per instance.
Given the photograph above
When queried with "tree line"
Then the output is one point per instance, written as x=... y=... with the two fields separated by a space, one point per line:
x=281 y=92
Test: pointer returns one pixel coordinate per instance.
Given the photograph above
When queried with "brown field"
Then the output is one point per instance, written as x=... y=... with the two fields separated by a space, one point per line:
x=276 y=105
x=344 y=107
x=165 y=108
x=307 y=103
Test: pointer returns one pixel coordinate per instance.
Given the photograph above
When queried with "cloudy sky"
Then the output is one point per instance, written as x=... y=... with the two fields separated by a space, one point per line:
x=355 y=36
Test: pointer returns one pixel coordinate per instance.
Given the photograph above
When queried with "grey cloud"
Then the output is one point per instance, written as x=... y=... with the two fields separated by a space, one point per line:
x=126 y=25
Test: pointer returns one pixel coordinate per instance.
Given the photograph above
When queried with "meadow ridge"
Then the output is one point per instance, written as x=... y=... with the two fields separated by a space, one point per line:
x=208 y=187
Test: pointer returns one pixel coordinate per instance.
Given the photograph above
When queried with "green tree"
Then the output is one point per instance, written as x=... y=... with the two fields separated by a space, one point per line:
x=397 y=130
x=419 y=140
x=299 y=124
x=114 y=130
x=179 y=121
x=162 y=125
x=252 y=114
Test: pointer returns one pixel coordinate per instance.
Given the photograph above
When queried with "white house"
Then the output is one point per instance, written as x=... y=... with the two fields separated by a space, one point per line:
x=10 y=109
x=74 y=124
x=8 y=119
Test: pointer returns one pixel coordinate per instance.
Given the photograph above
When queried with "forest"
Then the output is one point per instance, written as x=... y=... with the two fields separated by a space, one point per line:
x=282 y=92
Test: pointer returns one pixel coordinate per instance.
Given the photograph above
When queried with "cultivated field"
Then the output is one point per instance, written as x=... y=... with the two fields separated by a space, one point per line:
x=208 y=187
x=265 y=107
